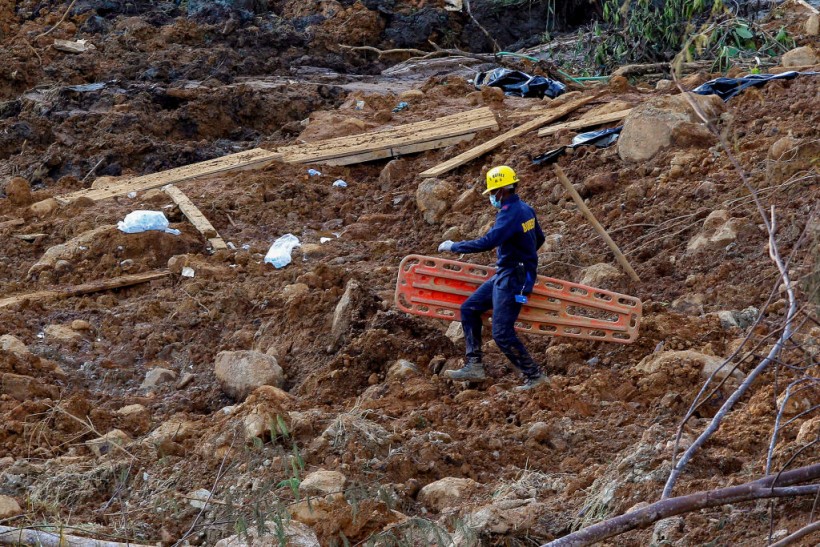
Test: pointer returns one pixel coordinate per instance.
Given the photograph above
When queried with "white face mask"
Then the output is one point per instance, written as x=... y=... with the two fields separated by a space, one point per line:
x=495 y=202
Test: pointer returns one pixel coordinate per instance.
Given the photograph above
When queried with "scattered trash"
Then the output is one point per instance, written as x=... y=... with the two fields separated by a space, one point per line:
x=340 y=184
x=69 y=46
x=246 y=247
x=726 y=88
x=453 y=5
x=313 y=173
x=600 y=139
x=279 y=252
x=143 y=221
x=132 y=195
x=401 y=106
x=187 y=271
x=520 y=84
x=325 y=239
x=359 y=105
x=231 y=246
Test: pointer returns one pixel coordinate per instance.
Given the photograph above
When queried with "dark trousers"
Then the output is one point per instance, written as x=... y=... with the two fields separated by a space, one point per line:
x=497 y=294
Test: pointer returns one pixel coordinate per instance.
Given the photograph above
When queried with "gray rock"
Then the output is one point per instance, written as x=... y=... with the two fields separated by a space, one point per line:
x=433 y=197
x=241 y=372
x=446 y=492
x=296 y=533
x=157 y=376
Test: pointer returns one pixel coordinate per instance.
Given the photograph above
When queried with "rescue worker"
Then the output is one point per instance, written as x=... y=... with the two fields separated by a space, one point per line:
x=517 y=235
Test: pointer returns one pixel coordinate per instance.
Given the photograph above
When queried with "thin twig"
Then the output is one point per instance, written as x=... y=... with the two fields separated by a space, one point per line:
x=71 y=5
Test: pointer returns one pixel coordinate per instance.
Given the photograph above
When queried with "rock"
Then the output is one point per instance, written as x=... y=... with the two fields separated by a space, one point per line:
x=466 y=200
x=342 y=315
x=539 y=432
x=296 y=535
x=13 y=345
x=719 y=230
x=62 y=333
x=601 y=182
x=291 y=292
x=18 y=191
x=81 y=325
x=601 y=276
x=801 y=56
x=738 y=319
x=314 y=250
x=507 y=517
x=663 y=85
x=670 y=360
x=789 y=155
x=812 y=25
x=71 y=250
x=322 y=483
x=667 y=121
x=45 y=207
x=175 y=429
x=446 y=492
x=105 y=180
x=797 y=403
x=136 y=418
x=22 y=387
x=241 y=372
x=157 y=376
x=411 y=95
x=433 y=197
x=401 y=370
x=392 y=173
x=782 y=146
x=808 y=431
x=328 y=124
x=200 y=499
x=455 y=332
x=185 y=380
x=688 y=304
x=667 y=531
x=315 y=510
x=453 y=233
x=9 y=508
x=108 y=442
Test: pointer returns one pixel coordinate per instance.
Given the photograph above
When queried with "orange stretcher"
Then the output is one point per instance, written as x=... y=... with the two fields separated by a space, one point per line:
x=436 y=287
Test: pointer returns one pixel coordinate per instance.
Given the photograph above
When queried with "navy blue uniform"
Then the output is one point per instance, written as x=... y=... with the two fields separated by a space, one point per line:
x=518 y=236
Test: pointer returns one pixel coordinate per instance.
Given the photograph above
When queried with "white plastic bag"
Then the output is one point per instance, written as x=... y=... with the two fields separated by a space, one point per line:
x=279 y=252
x=142 y=221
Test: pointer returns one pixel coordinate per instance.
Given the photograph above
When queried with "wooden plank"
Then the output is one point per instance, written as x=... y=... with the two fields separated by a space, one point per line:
x=249 y=159
x=372 y=142
x=85 y=288
x=217 y=243
x=494 y=143
x=460 y=119
x=191 y=212
x=807 y=5
x=588 y=122
x=399 y=150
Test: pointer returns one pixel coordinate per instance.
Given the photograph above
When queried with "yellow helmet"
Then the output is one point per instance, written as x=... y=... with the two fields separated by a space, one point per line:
x=500 y=176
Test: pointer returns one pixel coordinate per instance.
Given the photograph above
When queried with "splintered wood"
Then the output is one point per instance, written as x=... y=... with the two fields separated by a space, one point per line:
x=586 y=122
x=195 y=216
x=243 y=160
x=494 y=143
x=85 y=288
x=393 y=142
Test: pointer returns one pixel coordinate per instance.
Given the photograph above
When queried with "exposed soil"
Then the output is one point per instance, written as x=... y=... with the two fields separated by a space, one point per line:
x=175 y=90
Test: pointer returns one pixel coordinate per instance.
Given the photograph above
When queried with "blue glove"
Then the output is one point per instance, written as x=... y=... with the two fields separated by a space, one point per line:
x=446 y=247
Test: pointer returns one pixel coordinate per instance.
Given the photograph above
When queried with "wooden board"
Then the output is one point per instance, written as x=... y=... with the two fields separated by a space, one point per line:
x=494 y=143
x=85 y=288
x=249 y=159
x=588 y=122
x=392 y=142
x=191 y=211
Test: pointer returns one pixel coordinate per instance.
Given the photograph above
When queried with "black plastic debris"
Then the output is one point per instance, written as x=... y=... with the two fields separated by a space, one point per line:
x=600 y=139
x=520 y=84
x=726 y=88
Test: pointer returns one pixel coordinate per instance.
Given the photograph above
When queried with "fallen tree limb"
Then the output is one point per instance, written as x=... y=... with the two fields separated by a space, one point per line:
x=799 y=534
x=39 y=538
x=770 y=486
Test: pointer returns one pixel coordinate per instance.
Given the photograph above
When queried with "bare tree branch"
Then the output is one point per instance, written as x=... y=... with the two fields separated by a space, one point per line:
x=770 y=486
x=799 y=534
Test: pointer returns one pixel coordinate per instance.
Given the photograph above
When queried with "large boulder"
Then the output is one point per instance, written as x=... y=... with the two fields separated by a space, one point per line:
x=506 y=517
x=241 y=372
x=9 y=508
x=667 y=121
x=602 y=276
x=433 y=198
x=446 y=492
x=13 y=345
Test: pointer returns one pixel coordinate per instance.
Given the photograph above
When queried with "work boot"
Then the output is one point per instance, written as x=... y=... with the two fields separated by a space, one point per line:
x=533 y=382
x=472 y=371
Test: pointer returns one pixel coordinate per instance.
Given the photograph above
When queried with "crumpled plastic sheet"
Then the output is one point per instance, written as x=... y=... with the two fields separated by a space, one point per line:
x=601 y=138
x=519 y=84
x=726 y=88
